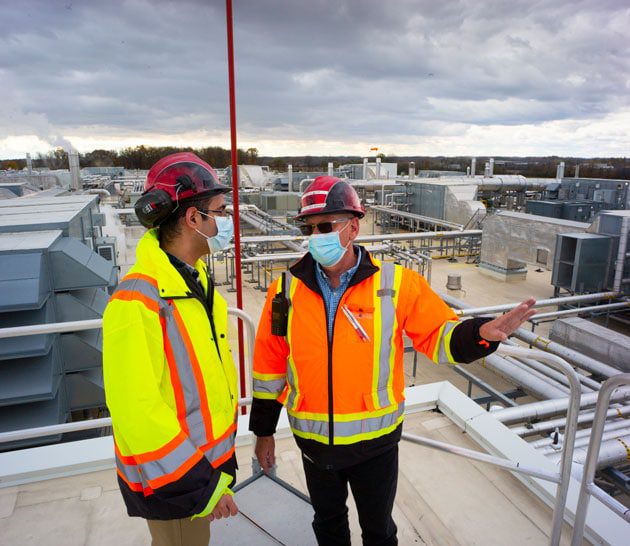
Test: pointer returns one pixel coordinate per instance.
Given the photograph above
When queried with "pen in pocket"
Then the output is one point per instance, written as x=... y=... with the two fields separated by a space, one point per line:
x=355 y=324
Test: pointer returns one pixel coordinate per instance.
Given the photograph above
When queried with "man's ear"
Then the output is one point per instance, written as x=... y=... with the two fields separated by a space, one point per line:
x=354 y=228
x=192 y=219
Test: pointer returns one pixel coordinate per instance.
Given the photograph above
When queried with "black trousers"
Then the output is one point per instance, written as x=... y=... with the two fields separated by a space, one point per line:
x=373 y=484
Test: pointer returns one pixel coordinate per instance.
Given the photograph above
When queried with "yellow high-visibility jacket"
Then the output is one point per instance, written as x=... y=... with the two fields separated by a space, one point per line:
x=171 y=388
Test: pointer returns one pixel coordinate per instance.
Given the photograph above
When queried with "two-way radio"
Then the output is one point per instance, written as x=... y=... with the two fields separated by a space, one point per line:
x=280 y=311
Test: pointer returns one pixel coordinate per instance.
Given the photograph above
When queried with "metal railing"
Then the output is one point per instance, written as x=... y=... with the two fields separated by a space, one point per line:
x=588 y=486
x=75 y=326
x=561 y=478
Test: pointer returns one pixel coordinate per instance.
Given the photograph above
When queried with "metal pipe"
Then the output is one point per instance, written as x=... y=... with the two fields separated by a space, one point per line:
x=483 y=457
x=553 y=314
x=620 y=424
x=523 y=378
x=559 y=379
x=535 y=371
x=592 y=454
x=583 y=361
x=416 y=217
x=494 y=309
x=583 y=441
x=545 y=408
x=235 y=199
x=621 y=253
x=547 y=426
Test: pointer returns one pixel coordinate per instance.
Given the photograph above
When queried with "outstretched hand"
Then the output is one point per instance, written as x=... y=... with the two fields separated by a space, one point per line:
x=501 y=327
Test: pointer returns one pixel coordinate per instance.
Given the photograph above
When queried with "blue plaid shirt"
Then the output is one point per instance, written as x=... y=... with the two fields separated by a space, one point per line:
x=331 y=295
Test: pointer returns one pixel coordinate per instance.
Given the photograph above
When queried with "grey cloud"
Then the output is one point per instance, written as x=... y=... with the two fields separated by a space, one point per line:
x=320 y=69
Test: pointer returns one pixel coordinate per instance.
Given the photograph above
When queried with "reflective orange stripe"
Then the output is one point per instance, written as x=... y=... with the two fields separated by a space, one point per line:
x=201 y=387
x=174 y=476
x=140 y=277
x=175 y=382
x=128 y=295
x=152 y=455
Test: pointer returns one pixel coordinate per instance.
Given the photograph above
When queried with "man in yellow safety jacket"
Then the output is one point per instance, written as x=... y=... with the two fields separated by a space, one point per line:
x=170 y=381
x=329 y=347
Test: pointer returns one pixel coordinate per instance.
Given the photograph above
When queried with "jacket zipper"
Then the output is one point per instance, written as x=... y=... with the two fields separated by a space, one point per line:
x=331 y=421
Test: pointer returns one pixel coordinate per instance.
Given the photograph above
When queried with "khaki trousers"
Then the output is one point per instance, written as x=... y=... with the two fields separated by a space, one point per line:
x=179 y=532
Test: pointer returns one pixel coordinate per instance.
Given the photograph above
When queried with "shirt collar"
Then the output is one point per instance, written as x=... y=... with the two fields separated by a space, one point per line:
x=345 y=276
x=179 y=264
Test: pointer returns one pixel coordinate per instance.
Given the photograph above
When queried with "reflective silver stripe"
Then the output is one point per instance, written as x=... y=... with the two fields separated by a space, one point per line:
x=388 y=311
x=345 y=429
x=272 y=386
x=223 y=447
x=290 y=378
x=141 y=286
x=190 y=389
x=153 y=470
x=131 y=473
x=169 y=463
x=444 y=338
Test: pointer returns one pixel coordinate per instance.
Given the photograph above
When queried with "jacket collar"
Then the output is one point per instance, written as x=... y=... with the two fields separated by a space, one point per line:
x=304 y=269
x=153 y=261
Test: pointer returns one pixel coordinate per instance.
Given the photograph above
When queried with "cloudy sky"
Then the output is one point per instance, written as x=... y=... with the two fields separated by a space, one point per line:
x=455 y=77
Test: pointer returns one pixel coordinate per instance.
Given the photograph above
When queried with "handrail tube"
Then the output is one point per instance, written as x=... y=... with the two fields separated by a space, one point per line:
x=583 y=361
x=91 y=324
x=494 y=309
x=51 y=328
x=89 y=424
x=483 y=457
x=611 y=502
x=588 y=475
x=606 y=307
x=572 y=414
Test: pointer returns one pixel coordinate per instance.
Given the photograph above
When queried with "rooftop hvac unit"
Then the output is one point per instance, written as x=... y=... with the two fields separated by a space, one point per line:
x=581 y=262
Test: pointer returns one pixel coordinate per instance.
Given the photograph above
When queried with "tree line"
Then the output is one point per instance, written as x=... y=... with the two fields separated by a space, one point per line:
x=143 y=157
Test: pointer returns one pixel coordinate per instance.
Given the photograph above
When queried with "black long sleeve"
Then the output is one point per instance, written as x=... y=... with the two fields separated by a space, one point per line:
x=466 y=343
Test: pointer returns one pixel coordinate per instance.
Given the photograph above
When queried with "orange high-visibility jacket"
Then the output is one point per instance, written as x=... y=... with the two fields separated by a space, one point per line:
x=170 y=385
x=351 y=388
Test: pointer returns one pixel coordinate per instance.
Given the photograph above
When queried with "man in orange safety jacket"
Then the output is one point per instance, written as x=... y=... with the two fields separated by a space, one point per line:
x=170 y=381
x=329 y=347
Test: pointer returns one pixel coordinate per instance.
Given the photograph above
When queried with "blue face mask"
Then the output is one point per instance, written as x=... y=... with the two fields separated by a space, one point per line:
x=326 y=248
x=225 y=232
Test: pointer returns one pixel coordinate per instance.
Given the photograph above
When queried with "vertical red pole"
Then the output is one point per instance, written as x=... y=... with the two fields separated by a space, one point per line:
x=237 y=223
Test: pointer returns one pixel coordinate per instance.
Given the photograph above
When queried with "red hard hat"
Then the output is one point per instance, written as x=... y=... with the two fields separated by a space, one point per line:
x=327 y=195
x=183 y=175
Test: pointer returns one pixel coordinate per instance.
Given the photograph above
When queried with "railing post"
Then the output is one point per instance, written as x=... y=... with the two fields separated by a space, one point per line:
x=603 y=401
x=570 y=430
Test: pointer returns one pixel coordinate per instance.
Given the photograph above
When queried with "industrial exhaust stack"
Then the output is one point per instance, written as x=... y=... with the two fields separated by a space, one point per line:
x=75 y=170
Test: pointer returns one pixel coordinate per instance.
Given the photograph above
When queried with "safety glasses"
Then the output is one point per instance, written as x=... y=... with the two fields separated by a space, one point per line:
x=322 y=227
x=221 y=211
